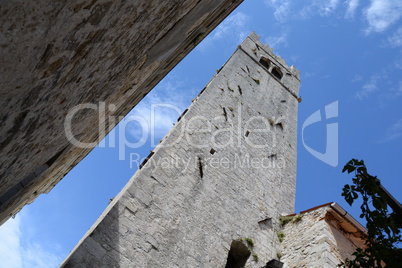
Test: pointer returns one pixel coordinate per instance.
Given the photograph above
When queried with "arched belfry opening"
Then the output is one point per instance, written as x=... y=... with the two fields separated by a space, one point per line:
x=265 y=62
x=277 y=72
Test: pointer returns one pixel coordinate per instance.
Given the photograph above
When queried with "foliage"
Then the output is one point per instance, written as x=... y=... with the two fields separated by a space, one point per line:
x=297 y=218
x=255 y=257
x=383 y=227
x=279 y=255
x=283 y=220
x=250 y=242
x=281 y=236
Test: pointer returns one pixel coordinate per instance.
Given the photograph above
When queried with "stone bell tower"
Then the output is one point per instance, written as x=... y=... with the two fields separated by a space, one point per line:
x=211 y=192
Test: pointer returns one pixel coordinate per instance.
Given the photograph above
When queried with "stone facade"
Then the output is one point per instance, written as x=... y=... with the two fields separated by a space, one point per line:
x=217 y=183
x=321 y=237
x=56 y=55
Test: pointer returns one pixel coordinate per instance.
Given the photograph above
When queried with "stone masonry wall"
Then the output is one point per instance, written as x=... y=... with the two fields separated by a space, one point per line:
x=56 y=55
x=321 y=239
x=226 y=171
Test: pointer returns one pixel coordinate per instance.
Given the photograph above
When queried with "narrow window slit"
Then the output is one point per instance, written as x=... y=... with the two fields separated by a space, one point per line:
x=185 y=111
x=200 y=167
x=225 y=114
x=272 y=156
x=146 y=159
x=240 y=90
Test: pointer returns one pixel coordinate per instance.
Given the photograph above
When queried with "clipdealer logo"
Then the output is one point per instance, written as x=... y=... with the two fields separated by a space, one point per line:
x=330 y=156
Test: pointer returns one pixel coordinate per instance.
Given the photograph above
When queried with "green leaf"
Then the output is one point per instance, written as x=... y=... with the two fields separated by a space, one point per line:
x=351 y=169
x=383 y=228
x=349 y=199
x=345 y=168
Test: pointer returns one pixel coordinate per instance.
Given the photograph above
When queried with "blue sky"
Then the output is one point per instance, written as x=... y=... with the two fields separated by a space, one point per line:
x=349 y=54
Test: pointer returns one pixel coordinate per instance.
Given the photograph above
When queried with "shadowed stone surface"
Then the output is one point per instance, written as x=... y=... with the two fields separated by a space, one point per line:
x=224 y=173
x=56 y=55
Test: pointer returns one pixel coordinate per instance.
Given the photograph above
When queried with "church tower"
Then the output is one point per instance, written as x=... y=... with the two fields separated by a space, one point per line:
x=211 y=193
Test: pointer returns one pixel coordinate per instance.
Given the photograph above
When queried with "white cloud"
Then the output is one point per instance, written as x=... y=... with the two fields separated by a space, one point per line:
x=393 y=132
x=357 y=78
x=323 y=8
x=351 y=8
x=294 y=58
x=276 y=41
x=395 y=40
x=281 y=9
x=398 y=61
x=284 y=9
x=10 y=254
x=397 y=92
x=15 y=252
x=159 y=110
x=369 y=87
x=391 y=95
x=381 y=14
x=327 y=7
x=35 y=256
x=233 y=29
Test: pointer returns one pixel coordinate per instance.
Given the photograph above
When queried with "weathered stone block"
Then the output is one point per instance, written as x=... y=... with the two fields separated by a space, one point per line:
x=56 y=55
